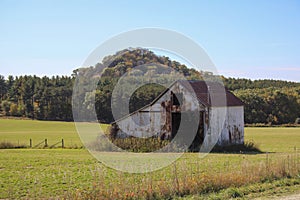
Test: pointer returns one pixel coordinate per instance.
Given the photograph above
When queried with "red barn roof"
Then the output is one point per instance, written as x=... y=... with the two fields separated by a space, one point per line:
x=211 y=93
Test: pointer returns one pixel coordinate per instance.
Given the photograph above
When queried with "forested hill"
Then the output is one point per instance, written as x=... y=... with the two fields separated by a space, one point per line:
x=124 y=61
x=49 y=98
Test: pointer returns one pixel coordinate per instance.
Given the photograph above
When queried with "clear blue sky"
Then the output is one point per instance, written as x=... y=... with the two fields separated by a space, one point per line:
x=253 y=39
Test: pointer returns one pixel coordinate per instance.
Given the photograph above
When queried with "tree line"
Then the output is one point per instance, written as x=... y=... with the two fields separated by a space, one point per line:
x=50 y=98
x=37 y=98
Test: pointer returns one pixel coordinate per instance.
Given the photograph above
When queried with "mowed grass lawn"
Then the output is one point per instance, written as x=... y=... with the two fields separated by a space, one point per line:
x=45 y=173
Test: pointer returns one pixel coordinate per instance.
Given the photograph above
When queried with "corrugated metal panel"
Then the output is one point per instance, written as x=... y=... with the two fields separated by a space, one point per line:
x=205 y=91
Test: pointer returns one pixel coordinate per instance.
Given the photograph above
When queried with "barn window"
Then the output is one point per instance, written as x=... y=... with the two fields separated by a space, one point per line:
x=177 y=98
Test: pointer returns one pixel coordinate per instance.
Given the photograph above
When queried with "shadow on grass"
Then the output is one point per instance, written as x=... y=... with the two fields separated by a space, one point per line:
x=246 y=148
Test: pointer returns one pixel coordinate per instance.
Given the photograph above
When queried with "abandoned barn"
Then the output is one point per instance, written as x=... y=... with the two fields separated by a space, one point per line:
x=178 y=104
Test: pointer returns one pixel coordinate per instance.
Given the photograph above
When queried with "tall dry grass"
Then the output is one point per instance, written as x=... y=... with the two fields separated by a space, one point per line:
x=185 y=178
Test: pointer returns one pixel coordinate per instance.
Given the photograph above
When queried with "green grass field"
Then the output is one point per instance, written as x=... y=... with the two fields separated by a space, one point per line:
x=274 y=139
x=21 y=131
x=73 y=173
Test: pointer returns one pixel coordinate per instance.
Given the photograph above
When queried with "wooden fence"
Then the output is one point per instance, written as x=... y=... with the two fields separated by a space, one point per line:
x=44 y=143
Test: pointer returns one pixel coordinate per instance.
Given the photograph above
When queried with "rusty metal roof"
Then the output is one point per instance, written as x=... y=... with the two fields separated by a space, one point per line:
x=212 y=93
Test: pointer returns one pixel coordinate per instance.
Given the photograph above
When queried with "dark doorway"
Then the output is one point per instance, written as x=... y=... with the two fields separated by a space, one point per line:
x=176 y=119
x=186 y=118
x=199 y=138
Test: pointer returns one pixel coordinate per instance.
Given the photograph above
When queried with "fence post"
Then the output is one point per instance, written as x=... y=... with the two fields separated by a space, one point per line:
x=30 y=143
x=46 y=143
x=62 y=143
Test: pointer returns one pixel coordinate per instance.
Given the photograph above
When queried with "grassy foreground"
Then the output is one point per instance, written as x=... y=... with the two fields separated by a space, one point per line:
x=75 y=174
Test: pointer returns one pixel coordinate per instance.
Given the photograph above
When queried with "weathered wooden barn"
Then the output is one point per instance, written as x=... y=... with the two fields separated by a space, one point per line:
x=163 y=116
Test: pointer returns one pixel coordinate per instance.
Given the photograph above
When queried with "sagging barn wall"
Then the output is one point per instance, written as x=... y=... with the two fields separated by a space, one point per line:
x=146 y=122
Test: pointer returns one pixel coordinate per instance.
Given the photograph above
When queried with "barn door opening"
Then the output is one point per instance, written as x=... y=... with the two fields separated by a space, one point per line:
x=187 y=118
x=199 y=138
x=176 y=119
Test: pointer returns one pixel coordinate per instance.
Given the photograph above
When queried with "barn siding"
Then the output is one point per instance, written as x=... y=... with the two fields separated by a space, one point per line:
x=233 y=130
